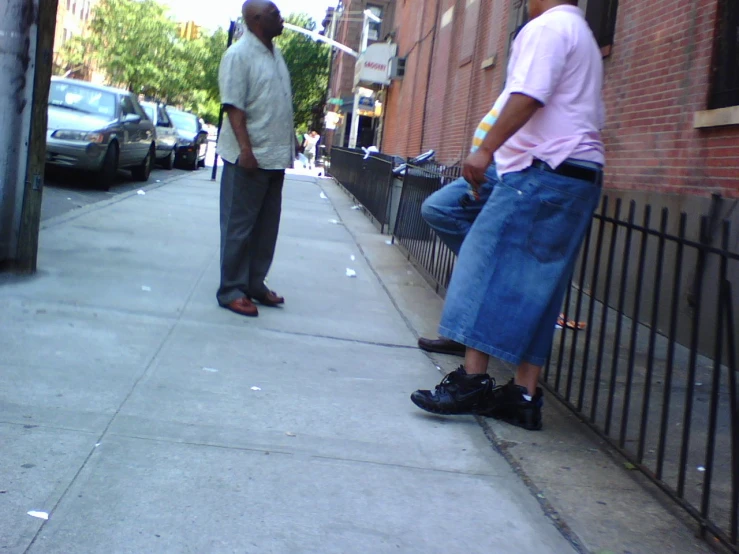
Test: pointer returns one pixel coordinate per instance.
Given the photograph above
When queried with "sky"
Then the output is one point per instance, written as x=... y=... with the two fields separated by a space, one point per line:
x=214 y=13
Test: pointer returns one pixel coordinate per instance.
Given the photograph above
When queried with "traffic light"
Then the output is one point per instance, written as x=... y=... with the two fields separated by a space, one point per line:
x=189 y=30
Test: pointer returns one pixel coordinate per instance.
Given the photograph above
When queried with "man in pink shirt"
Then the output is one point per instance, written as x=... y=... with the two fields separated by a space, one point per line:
x=517 y=259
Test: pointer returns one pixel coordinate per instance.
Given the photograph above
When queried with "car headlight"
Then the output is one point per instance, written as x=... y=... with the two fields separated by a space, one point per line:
x=82 y=136
x=184 y=142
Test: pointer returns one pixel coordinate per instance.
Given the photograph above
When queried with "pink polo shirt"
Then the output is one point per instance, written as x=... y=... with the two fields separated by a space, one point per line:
x=556 y=60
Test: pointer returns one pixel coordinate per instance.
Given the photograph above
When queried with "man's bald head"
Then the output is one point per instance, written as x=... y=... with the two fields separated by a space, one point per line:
x=262 y=15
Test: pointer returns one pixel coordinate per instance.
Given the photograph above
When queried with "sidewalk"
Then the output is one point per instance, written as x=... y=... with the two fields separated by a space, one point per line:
x=143 y=418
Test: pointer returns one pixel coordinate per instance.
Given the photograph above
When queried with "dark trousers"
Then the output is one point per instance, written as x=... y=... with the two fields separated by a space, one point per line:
x=251 y=203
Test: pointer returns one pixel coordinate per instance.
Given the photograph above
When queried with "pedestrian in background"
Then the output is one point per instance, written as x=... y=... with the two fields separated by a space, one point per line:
x=257 y=144
x=517 y=259
x=310 y=145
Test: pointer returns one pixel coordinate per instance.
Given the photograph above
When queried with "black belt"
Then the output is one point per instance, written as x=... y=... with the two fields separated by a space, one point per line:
x=572 y=170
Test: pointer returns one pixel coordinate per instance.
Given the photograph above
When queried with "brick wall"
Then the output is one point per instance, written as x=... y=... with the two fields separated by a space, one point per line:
x=657 y=78
x=453 y=87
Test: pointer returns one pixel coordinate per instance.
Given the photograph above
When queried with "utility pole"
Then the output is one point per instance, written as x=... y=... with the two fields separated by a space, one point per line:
x=26 y=52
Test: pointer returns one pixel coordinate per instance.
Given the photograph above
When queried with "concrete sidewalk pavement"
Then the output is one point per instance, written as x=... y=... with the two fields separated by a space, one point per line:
x=143 y=418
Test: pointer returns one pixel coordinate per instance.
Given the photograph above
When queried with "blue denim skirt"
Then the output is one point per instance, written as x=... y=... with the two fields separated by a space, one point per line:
x=515 y=265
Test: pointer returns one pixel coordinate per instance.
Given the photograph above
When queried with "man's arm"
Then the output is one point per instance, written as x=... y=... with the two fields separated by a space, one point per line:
x=517 y=111
x=237 y=118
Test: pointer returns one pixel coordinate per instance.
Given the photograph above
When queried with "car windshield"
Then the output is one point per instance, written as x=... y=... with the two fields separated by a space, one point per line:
x=149 y=111
x=83 y=99
x=184 y=121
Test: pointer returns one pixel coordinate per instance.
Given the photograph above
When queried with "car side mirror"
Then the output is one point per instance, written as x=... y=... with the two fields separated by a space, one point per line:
x=131 y=118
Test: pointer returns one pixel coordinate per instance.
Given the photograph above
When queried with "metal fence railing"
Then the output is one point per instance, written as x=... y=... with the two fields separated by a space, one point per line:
x=368 y=180
x=431 y=256
x=648 y=353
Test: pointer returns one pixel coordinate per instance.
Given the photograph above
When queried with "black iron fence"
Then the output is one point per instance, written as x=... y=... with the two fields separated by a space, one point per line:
x=368 y=180
x=431 y=256
x=647 y=355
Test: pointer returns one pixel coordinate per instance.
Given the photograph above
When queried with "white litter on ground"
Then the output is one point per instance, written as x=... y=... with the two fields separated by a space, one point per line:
x=40 y=515
x=289 y=434
x=352 y=257
x=140 y=192
x=255 y=388
x=145 y=288
x=701 y=469
x=334 y=221
x=356 y=207
x=389 y=242
x=210 y=369
x=350 y=272
x=324 y=196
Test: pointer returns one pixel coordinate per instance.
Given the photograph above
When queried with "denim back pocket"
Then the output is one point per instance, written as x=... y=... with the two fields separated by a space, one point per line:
x=564 y=210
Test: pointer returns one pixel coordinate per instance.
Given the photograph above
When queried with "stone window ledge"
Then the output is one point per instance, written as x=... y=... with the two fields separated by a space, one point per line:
x=716 y=118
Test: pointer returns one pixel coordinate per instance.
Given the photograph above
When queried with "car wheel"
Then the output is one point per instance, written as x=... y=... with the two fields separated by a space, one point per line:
x=194 y=165
x=169 y=160
x=105 y=177
x=142 y=172
x=201 y=163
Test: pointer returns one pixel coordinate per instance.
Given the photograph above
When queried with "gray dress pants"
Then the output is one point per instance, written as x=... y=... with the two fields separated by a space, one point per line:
x=251 y=203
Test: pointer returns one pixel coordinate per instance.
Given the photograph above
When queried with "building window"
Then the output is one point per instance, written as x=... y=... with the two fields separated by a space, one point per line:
x=469 y=31
x=601 y=15
x=725 y=78
x=374 y=27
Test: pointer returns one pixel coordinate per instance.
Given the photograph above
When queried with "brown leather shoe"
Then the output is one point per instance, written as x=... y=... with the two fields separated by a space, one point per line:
x=442 y=346
x=270 y=298
x=243 y=306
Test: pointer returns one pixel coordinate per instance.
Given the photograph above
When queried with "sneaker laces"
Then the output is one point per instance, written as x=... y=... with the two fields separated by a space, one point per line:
x=459 y=373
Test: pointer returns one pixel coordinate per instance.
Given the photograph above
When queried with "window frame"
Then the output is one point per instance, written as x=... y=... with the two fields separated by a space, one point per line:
x=724 y=84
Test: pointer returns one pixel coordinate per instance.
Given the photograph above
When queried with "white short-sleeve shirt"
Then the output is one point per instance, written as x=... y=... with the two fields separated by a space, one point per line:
x=257 y=81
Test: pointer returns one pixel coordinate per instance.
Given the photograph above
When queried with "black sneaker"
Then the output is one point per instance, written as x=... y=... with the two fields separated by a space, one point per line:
x=458 y=393
x=510 y=405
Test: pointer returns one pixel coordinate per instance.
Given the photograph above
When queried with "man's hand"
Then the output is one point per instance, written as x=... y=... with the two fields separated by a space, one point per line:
x=247 y=160
x=475 y=166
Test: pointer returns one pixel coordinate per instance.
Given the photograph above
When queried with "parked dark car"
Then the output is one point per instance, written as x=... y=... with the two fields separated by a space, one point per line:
x=192 y=146
x=98 y=129
x=166 y=149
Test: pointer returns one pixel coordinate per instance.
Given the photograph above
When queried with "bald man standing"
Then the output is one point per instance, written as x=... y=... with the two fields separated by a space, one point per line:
x=257 y=144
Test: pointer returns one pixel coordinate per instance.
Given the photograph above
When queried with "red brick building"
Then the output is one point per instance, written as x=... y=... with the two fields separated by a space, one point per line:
x=344 y=24
x=671 y=86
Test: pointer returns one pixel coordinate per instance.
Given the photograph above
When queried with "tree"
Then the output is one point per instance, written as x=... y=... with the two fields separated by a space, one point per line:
x=133 y=41
x=307 y=61
x=137 y=45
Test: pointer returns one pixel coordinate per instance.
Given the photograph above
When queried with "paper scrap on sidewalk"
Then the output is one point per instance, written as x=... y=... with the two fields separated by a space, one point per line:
x=388 y=242
x=289 y=434
x=324 y=196
x=701 y=469
x=210 y=369
x=352 y=257
x=145 y=288
x=350 y=272
x=140 y=192
x=40 y=515
x=356 y=207
x=255 y=388
x=334 y=221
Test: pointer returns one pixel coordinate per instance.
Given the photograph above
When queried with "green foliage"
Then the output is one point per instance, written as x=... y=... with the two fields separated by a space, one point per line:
x=135 y=43
x=307 y=61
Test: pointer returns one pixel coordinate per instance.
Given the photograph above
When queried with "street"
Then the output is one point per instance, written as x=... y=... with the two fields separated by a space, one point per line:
x=69 y=190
